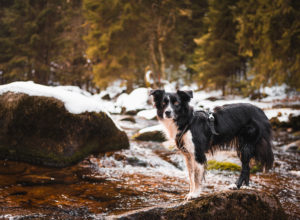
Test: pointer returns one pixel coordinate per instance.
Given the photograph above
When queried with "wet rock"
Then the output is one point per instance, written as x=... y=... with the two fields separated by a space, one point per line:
x=248 y=204
x=214 y=98
x=128 y=118
x=106 y=97
x=156 y=136
x=132 y=112
x=293 y=122
x=258 y=95
x=136 y=162
x=93 y=178
x=153 y=133
x=293 y=147
x=33 y=180
x=40 y=130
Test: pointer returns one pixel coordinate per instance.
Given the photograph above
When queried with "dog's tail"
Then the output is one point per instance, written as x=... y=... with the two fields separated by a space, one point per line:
x=263 y=149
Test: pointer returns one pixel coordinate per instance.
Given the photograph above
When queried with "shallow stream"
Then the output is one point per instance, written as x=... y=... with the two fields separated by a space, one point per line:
x=145 y=175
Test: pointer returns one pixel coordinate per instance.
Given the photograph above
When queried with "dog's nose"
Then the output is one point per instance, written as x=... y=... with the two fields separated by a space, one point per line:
x=168 y=113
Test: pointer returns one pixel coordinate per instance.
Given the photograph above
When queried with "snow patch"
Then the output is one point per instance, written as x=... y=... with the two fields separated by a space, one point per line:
x=136 y=100
x=76 y=101
x=114 y=89
x=274 y=92
x=147 y=114
x=152 y=128
x=281 y=113
x=295 y=172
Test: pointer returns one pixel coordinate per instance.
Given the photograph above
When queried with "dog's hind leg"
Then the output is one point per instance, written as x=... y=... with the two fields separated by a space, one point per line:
x=245 y=173
x=246 y=149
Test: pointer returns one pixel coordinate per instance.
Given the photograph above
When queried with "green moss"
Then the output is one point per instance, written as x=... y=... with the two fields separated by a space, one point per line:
x=256 y=168
x=217 y=165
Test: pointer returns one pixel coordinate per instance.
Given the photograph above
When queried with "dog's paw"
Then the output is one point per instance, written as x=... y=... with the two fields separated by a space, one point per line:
x=246 y=187
x=187 y=197
x=192 y=195
x=232 y=186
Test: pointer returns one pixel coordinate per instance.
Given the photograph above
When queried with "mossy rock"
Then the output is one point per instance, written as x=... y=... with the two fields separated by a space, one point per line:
x=40 y=130
x=156 y=136
x=217 y=165
x=237 y=204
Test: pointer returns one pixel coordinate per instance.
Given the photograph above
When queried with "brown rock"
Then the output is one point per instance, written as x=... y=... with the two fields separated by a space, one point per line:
x=40 y=130
x=238 y=204
x=156 y=136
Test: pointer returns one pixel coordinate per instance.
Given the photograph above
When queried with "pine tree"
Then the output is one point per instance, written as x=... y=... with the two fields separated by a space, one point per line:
x=115 y=43
x=73 y=66
x=32 y=39
x=125 y=37
x=269 y=35
x=217 y=59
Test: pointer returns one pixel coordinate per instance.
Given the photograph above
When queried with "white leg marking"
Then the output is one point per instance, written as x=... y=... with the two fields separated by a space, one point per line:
x=189 y=167
x=197 y=170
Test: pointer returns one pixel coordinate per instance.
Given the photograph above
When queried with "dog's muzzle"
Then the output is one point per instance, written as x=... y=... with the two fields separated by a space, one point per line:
x=168 y=114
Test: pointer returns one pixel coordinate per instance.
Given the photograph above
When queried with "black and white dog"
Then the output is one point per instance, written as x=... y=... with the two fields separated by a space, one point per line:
x=242 y=125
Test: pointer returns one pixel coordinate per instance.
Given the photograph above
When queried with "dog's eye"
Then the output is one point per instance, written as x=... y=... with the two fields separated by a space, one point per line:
x=176 y=103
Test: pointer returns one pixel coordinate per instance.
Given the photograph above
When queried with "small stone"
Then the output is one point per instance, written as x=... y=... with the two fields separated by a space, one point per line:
x=128 y=118
x=156 y=136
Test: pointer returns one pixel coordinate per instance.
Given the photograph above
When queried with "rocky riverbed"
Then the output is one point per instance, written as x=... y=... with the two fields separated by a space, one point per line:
x=143 y=176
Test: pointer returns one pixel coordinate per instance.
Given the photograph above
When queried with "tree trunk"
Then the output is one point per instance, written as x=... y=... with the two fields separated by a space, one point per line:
x=155 y=65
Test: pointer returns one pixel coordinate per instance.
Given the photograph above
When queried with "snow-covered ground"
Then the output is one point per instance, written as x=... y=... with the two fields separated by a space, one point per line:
x=77 y=100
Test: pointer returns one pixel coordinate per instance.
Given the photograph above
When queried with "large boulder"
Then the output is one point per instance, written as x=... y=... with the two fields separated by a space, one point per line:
x=40 y=130
x=238 y=204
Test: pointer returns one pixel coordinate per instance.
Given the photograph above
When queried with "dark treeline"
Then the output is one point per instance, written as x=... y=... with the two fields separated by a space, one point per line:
x=233 y=45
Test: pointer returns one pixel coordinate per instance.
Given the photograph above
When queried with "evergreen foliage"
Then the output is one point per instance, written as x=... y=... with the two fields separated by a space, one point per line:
x=125 y=37
x=269 y=35
x=32 y=39
x=234 y=45
x=217 y=58
x=41 y=40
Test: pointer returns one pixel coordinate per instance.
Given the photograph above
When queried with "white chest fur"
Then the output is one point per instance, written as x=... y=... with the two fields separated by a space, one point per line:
x=170 y=127
x=171 y=130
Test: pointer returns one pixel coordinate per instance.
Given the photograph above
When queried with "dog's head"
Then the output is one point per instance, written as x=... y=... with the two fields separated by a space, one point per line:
x=171 y=105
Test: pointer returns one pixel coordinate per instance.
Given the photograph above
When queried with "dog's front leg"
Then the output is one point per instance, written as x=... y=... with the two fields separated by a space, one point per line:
x=198 y=177
x=190 y=168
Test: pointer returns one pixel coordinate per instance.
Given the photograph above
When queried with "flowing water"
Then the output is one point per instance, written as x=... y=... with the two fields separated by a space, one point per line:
x=147 y=174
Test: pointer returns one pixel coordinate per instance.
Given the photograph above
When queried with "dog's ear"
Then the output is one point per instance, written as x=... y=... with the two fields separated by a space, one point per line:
x=157 y=94
x=185 y=95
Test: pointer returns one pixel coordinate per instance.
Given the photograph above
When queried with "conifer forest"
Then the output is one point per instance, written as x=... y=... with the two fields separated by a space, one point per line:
x=234 y=45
